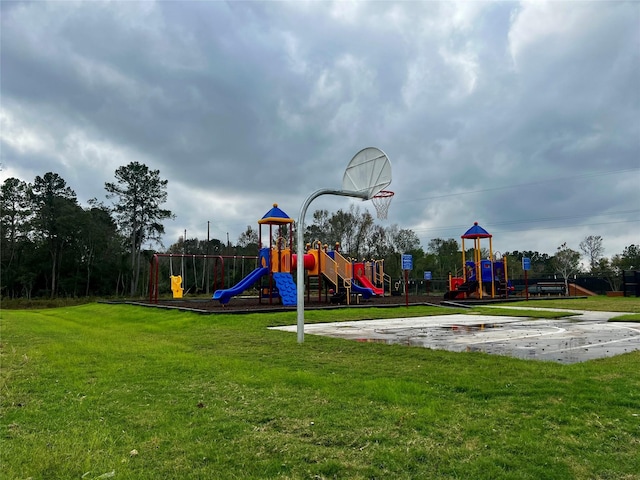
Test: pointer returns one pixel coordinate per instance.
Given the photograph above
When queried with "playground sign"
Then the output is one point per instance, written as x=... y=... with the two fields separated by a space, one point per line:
x=407 y=261
x=427 y=279
x=526 y=266
x=407 y=264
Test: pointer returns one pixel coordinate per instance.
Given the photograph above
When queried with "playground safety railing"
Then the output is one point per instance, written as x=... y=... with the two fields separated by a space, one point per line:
x=344 y=268
x=386 y=283
x=328 y=267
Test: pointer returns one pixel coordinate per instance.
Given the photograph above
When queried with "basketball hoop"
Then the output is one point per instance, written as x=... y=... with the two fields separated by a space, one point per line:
x=368 y=172
x=381 y=201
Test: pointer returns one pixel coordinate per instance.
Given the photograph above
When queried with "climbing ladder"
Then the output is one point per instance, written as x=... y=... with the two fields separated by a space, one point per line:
x=286 y=287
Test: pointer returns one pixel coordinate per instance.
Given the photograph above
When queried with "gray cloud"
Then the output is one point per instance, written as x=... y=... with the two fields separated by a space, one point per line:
x=522 y=116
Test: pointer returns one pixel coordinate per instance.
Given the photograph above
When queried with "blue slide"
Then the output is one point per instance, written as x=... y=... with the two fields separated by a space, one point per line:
x=225 y=295
x=365 y=292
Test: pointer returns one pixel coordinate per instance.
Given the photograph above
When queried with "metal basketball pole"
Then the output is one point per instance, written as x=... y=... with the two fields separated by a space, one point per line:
x=300 y=250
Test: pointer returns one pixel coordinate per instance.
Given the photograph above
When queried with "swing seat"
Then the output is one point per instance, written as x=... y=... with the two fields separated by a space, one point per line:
x=176 y=286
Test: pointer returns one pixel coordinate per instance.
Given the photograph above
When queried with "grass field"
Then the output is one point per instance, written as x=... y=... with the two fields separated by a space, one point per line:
x=631 y=305
x=116 y=391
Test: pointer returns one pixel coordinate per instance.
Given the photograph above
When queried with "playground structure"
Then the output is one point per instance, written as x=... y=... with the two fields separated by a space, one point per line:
x=277 y=261
x=366 y=176
x=481 y=278
x=344 y=277
x=273 y=262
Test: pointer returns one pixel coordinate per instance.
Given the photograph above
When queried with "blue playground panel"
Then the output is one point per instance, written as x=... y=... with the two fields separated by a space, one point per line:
x=286 y=288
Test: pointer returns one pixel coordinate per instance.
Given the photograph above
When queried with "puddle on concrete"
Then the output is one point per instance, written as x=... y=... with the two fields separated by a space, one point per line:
x=564 y=340
x=471 y=328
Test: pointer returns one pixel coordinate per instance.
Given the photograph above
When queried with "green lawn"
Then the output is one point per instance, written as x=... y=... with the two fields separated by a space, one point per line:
x=116 y=391
x=598 y=303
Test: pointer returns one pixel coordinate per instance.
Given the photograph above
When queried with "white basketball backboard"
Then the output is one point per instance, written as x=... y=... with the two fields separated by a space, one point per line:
x=368 y=172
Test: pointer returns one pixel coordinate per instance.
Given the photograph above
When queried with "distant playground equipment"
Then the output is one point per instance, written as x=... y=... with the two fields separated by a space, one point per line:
x=176 y=280
x=176 y=286
x=276 y=262
x=209 y=273
x=343 y=278
x=481 y=278
x=272 y=262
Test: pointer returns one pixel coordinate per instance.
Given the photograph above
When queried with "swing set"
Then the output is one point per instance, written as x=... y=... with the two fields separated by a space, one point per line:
x=213 y=264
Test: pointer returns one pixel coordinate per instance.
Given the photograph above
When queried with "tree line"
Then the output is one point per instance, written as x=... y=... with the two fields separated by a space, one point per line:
x=52 y=246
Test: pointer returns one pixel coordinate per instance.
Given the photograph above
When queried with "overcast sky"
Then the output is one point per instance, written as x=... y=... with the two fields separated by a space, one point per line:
x=522 y=116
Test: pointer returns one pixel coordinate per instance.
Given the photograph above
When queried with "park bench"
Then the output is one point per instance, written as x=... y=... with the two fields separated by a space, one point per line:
x=547 y=288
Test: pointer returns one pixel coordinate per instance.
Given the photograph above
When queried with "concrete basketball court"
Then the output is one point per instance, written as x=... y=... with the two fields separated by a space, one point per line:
x=578 y=337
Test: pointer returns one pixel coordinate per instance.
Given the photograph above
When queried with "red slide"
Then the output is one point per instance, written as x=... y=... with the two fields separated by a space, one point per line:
x=364 y=281
x=358 y=274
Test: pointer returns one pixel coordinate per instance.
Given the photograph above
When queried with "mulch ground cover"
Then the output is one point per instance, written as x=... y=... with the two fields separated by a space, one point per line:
x=254 y=305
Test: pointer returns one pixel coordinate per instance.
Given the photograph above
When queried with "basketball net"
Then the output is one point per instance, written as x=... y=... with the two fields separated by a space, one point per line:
x=381 y=201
